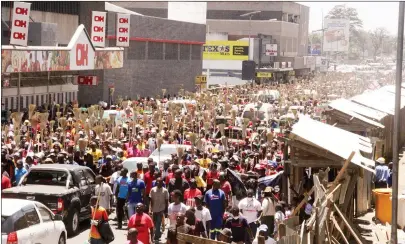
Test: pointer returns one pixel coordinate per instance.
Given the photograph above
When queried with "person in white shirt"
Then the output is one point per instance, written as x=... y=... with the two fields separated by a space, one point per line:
x=268 y=208
x=202 y=213
x=176 y=207
x=279 y=217
x=263 y=230
x=251 y=210
x=104 y=191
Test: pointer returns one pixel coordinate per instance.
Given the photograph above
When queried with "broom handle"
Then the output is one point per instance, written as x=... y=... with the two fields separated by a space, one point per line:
x=96 y=207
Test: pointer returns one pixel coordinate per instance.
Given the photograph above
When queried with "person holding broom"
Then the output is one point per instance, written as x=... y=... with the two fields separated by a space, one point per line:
x=98 y=213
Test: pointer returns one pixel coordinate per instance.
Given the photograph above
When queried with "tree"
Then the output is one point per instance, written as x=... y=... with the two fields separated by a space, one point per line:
x=377 y=36
x=344 y=12
x=361 y=42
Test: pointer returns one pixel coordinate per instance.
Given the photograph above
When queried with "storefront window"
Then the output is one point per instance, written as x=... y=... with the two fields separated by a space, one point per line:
x=155 y=50
x=136 y=50
x=171 y=51
x=196 y=51
x=184 y=52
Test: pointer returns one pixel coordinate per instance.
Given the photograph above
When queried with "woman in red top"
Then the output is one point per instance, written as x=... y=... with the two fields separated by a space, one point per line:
x=212 y=175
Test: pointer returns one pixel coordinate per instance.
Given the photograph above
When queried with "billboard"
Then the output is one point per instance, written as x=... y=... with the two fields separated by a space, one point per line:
x=19 y=24
x=123 y=27
x=226 y=50
x=336 y=35
x=271 y=49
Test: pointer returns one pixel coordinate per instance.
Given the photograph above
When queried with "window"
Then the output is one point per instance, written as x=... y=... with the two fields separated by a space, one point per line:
x=184 y=52
x=21 y=104
x=81 y=178
x=32 y=99
x=12 y=103
x=27 y=101
x=155 y=50
x=196 y=51
x=45 y=214
x=38 y=177
x=171 y=51
x=90 y=177
x=6 y=103
x=42 y=100
x=13 y=223
x=32 y=217
x=136 y=50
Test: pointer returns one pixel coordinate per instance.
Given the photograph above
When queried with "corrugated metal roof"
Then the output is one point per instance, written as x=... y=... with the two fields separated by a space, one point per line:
x=346 y=106
x=382 y=99
x=338 y=141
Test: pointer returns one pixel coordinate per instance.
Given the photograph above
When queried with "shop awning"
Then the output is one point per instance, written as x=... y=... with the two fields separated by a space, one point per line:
x=335 y=140
x=346 y=107
x=79 y=54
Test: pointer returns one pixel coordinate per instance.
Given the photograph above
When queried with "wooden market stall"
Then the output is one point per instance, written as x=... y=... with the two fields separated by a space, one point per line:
x=324 y=147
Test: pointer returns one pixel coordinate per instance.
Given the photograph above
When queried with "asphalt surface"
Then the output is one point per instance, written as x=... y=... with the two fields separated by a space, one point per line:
x=120 y=235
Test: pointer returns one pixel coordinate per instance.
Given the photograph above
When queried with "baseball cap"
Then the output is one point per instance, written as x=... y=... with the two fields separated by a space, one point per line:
x=263 y=228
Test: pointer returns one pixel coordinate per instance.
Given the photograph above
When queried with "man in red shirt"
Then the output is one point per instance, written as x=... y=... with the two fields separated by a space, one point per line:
x=5 y=182
x=148 y=179
x=191 y=193
x=212 y=175
x=143 y=223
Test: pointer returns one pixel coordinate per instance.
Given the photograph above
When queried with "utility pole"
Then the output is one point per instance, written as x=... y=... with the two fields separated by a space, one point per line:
x=395 y=144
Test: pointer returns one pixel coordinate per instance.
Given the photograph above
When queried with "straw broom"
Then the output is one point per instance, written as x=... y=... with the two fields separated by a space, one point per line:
x=51 y=125
x=31 y=110
x=63 y=123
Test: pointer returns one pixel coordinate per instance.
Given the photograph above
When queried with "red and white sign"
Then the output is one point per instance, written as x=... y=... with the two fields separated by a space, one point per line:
x=87 y=80
x=19 y=24
x=82 y=53
x=123 y=26
x=98 y=20
x=271 y=49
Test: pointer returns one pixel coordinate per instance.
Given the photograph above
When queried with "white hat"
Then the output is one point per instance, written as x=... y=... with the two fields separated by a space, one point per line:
x=381 y=160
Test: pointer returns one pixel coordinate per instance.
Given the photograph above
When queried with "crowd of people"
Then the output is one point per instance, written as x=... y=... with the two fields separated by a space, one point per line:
x=210 y=190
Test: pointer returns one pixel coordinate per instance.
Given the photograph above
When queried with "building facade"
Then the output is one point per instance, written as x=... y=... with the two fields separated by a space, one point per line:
x=163 y=54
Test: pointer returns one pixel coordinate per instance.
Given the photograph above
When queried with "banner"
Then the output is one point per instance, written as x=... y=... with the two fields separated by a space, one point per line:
x=237 y=186
x=20 y=23
x=123 y=28
x=226 y=50
x=87 y=80
x=336 y=35
x=271 y=49
x=98 y=20
x=272 y=180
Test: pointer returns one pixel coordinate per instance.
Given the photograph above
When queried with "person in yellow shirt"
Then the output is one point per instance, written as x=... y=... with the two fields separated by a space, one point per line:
x=98 y=213
x=205 y=161
x=95 y=152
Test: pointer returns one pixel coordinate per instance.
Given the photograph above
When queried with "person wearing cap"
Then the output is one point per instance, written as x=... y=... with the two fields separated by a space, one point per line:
x=203 y=213
x=20 y=171
x=382 y=174
x=268 y=208
x=225 y=235
x=263 y=230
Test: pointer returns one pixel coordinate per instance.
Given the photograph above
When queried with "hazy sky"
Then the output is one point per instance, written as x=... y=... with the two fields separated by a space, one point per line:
x=373 y=14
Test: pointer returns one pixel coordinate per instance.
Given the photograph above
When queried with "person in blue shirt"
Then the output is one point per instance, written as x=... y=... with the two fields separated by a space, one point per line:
x=19 y=172
x=136 y=191
x=382 y=174
x=121 y=194
x=215 y=201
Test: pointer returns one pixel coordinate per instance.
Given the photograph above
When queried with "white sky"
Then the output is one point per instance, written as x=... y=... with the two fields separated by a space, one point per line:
x=373 y=14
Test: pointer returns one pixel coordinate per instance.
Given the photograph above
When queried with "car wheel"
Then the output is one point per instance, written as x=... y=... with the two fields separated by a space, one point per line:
x=62 y=239
x=72 y=224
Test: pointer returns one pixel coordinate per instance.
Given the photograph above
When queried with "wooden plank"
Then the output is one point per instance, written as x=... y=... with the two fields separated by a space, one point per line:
x=303 y=201
x=350 y=191
x=349 y=225
x=339 y=229
x=342 y=171
x=302 y=232
x=315 y=150
x=343 y=189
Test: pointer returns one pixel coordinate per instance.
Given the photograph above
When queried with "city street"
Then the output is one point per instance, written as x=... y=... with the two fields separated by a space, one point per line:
x=120 y=235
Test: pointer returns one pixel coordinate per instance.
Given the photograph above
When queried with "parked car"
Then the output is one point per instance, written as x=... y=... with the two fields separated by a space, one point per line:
x=63 y=188
x=25 y=221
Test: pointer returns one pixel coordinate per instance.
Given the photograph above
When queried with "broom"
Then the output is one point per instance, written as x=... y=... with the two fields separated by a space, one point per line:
x=51 y=125
x=31 y=110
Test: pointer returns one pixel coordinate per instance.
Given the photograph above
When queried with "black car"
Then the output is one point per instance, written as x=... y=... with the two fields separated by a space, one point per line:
x=63 y=188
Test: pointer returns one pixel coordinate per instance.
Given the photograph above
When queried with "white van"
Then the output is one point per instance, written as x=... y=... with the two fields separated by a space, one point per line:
x=266 y=96
x=263 y=111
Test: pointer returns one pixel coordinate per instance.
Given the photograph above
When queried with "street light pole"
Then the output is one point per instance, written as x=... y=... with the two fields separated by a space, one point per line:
x=395 y=143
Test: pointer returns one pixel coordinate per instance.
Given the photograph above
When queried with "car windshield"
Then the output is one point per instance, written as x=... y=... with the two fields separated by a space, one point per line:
x=38 y=177
x=251 y=114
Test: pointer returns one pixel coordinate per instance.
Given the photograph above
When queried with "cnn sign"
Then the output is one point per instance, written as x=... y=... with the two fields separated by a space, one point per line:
x=19 y=24
x=98 y=23
x=86 y=80
x=123 y=27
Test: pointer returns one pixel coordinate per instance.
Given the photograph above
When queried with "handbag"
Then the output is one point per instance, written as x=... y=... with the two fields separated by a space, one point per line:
x=105 y=231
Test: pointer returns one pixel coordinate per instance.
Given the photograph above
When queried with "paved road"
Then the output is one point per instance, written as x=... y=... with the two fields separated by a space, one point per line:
x=120 y=235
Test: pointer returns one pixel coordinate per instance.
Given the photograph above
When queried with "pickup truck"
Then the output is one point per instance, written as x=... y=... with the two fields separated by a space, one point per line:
x=65 y=189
